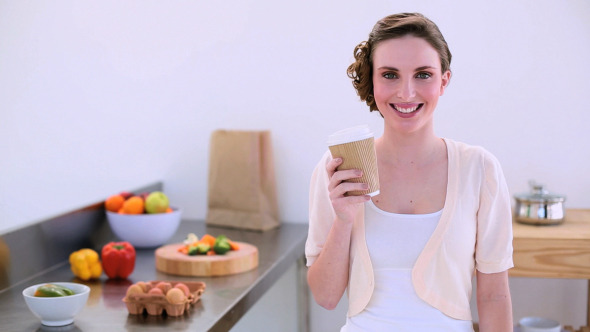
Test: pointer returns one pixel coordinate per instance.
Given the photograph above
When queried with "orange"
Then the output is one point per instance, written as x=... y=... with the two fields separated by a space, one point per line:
x=209 y=239
x=133 y=205
x=114 y=203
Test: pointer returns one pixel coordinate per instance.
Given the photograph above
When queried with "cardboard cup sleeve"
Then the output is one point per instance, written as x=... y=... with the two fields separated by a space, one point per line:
x=356 y=147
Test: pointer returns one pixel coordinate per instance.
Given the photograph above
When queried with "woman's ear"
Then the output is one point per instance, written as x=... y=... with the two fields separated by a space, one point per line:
x=446 y=79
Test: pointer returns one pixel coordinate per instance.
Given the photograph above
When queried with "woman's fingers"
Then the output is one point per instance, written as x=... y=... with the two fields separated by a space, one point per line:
x=341 y=189
x=339 y=185
x=341 y=177
x=345 y=206
x=332 y=166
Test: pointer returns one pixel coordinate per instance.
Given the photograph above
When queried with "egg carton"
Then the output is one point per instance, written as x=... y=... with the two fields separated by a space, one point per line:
x=156 y=304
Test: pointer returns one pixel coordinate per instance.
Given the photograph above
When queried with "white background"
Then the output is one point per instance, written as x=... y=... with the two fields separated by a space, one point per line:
x=97 y=97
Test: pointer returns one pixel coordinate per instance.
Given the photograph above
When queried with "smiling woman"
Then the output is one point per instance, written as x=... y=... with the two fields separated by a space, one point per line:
x=362 y=70
x=440 y=201
x=407 y=81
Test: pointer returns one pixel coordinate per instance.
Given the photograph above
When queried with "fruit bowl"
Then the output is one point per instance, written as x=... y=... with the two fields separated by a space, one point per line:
x=146 y=230
x=57 y=311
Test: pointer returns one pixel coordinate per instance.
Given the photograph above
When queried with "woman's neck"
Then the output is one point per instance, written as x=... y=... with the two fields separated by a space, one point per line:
x=409 y=149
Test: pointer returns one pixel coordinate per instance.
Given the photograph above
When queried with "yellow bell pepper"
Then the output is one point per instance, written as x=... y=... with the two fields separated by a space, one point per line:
x=85 y=264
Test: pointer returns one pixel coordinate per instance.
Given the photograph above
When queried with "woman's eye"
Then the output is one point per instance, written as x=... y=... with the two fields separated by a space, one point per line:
x=423 y=75
x=389 y=76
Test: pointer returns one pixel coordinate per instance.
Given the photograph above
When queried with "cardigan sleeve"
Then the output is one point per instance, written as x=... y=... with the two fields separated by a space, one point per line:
x=321 y=212
x=493 y=251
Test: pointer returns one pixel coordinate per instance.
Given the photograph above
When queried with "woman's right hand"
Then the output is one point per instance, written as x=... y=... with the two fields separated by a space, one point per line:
x=345 y=207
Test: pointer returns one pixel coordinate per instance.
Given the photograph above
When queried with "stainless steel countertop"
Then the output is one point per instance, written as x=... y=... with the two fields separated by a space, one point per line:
x=225 y=300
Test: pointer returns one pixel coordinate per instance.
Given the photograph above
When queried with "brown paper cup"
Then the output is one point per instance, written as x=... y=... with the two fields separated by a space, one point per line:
x=356 y=147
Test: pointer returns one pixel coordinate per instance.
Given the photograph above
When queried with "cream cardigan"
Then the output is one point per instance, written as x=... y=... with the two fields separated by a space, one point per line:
x=474 y=232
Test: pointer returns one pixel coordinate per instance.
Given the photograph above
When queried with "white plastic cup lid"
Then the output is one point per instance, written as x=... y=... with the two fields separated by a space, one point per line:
x=352 y=134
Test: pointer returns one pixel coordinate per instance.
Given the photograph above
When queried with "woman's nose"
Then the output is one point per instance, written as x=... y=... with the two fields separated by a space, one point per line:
x=406 y=89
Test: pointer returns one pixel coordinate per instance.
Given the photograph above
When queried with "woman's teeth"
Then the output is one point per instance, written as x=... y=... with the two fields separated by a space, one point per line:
x=406 y=110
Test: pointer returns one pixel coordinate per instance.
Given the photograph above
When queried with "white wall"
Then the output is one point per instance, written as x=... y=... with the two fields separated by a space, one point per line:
x=96 y=97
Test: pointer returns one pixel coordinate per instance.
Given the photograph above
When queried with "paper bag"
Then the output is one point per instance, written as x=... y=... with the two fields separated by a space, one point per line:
x=242 y=185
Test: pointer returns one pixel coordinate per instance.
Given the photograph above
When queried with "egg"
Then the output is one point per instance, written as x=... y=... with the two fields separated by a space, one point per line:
x=143 y=286
x=183 y=287
x=156 y=291
x=134 y=289
x=164 y=286
x=175 y=296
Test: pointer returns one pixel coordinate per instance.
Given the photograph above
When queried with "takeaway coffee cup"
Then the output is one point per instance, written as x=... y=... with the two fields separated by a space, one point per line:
x=356 y=147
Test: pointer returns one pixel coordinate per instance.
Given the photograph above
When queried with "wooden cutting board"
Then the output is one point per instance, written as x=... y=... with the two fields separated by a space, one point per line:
x=169 y=260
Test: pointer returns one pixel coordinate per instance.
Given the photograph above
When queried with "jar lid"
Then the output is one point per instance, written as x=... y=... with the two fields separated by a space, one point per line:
x=538 y=194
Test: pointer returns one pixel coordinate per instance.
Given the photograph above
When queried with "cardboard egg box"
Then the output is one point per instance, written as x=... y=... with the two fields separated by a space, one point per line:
x=157 y=304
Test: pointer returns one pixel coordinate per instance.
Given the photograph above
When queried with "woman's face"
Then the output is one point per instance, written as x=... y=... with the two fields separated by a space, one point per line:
x=407 y=82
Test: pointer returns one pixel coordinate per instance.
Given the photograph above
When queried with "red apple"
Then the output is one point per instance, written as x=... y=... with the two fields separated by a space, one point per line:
x=125 y=194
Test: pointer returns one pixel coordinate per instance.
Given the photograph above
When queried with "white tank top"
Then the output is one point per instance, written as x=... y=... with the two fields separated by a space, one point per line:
x=395 y=241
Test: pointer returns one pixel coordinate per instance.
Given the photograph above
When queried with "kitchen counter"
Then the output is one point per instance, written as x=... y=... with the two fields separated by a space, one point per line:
x=225 y=300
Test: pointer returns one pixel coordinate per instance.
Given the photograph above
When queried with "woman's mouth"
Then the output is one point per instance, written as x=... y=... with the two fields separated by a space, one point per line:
x=406 y=109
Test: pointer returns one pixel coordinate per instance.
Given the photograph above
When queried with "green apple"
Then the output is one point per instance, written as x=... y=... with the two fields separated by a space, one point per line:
x=156 y=202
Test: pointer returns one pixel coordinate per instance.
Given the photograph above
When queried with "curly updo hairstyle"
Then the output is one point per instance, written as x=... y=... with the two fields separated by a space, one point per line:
x=393 y=26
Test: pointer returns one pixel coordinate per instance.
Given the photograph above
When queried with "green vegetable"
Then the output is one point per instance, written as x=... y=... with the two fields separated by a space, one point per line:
x=199 y=249
x=65 y=290
x=51 y=290
x=192 y=251
x=221 y=247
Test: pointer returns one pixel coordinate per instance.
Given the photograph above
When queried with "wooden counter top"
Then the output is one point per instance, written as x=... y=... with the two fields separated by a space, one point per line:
x=576 y=226
x=554 y=251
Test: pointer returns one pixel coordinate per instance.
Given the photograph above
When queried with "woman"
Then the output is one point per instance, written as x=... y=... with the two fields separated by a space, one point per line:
x=407 y=255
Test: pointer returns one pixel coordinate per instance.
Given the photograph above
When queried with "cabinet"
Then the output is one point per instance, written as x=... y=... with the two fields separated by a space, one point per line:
x=554 y=251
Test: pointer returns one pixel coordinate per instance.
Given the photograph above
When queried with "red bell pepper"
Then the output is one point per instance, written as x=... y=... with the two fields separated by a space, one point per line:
x=118 y=259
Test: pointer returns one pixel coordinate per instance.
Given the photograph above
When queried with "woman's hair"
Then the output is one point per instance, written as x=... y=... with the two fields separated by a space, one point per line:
x=393 y=26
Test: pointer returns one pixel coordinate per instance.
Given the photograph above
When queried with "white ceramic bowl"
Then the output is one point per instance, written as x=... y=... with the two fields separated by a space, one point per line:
x=145 y=230
x=539 y=324
x=57 y=311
